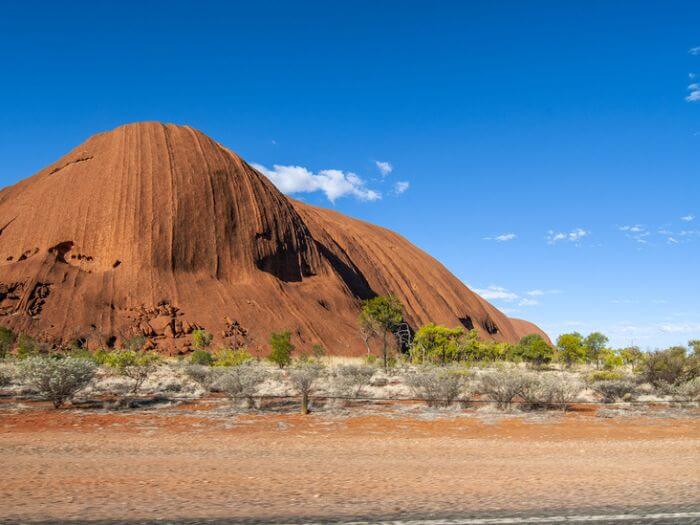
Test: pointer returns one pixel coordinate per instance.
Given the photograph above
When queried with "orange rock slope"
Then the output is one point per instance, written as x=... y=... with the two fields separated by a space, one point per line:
x=157 y=229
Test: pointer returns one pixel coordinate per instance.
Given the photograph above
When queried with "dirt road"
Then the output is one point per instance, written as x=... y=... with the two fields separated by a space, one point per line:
x=192 y=462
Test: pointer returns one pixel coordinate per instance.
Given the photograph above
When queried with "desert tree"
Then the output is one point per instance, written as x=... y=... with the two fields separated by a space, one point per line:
x=534 y=350
x=281 y=348
x=379 y=316
x=570 y=349
x=594 y=343
x=57 y=380
x=303 y=378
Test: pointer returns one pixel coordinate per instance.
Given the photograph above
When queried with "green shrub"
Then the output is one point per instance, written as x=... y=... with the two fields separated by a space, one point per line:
x=57 y=380
x=688 y=391
x=533 y=349
x=27 y=347
x=201 y=357
x=201 y=339
x=605 y=375
x=7 y=341
x=281 y=348
x=231 y=357
x=671 y=366
x=134 y=365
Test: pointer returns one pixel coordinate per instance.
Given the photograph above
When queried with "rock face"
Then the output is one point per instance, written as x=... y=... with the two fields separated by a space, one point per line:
x=158 y=230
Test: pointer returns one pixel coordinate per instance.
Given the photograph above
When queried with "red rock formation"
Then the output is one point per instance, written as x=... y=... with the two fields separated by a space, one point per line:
x=158 y=230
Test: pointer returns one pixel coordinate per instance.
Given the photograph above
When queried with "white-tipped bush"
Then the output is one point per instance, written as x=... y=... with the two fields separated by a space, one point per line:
x=614 y=389
x=242 y=381
x=544 y=391
x=303 y=378
x=203 y=375
x=57 y=380
x=436 y=386
x=502 y=386
x=349 y=380
x=688 y=391
x=7 y=374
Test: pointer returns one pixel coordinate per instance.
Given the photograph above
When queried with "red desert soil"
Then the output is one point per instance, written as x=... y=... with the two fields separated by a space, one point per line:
x=72 y=464
x=157 y=229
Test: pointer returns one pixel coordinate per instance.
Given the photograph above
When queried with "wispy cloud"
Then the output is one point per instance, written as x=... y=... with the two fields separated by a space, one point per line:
x=680 y=328
x=401 y=186
x=497 y=293
x=688 y=218
x=526 y=301
x=384 y=167
x=504 y=237
x=694 y=50
x=572 y=236
x=539 y=293
x=694 y=95
x=636 y=232
x=333 y=183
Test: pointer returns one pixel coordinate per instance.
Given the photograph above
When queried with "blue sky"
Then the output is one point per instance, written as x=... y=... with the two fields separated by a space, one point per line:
x=568 y=130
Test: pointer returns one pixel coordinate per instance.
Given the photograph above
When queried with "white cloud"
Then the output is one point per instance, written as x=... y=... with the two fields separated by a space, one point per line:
x=497 y=293
x=384 y=167
x=694 y=50
x=688 y=218
x=671 y=240
x=333 y=183
x=694 y=93
x=572 y=236
x=528 y=302
x=691 y=75
x=540 y=293
x=636 y=232
x=504 y=237
x=401 y=186
x=680 y=328
x=637 y=228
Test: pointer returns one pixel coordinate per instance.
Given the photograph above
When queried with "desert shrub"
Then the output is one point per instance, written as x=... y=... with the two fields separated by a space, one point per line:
x=688 y=391
x=7 y=374
x=135 y=365
x=231 y=357
x=670 y=366
x=614 y=389
x=7 y=341
x=605 y=375
x=243 y=381
x=281 y=348
x=201 y=339
x=548 y=391
x=58 y=380
x=100 y=356
x=351 y=379
x=201 y=357
x=534 y=350
x=502 y=386
x=27 y=347
x=436 y=386
x=203 y=375
x=303 y=377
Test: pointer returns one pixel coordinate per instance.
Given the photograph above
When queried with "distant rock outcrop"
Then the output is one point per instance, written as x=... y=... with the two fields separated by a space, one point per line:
x=158 y=230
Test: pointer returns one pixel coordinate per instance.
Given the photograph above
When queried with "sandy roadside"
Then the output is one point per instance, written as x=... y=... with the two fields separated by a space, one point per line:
x=74 y=464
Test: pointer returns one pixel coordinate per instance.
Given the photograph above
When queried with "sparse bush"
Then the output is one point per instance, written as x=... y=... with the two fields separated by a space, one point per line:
x=27 y=347
x=614 y=389
x=203 y=375
x=502 y=386
x=549 y=391
x=243 y=381
x=136 y=365
x=7 y=341
x=58 y=380
x=7 y=373
x=201 y=357
x=688 y=391
x=351 y=379
x=303 y=378
x=281 y=348
x=231 y=357
x=671 y=366
x=436 y=386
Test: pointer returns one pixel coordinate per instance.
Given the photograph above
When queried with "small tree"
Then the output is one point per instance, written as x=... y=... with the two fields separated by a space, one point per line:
x=570 y=348
x=303 y=378
x=594 y=343
x=134 y=365
x=7 y=341
x=380 y=315
x=201 y=339
x=351 y=379
x=534 y=349
x=436 y=344
x=281 y=348
x=58 y=380
x=243 y=381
